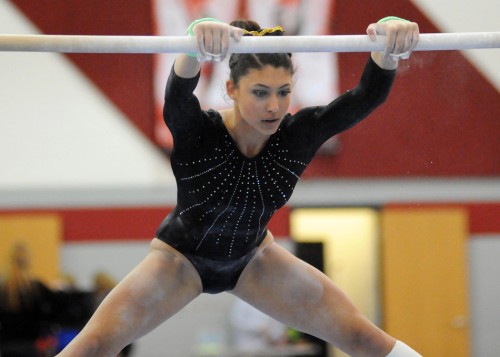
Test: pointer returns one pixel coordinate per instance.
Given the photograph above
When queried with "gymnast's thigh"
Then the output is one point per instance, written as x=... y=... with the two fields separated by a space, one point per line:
x=162 y=284
x=300 y=296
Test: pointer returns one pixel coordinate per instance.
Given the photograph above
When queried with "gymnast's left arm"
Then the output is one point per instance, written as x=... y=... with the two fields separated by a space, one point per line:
x=401 y=37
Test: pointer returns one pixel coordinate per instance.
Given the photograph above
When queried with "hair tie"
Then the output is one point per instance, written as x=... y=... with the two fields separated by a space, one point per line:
x=264 y=32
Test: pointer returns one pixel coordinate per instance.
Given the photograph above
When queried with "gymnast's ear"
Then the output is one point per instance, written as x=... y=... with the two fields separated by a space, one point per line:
x=231 y=89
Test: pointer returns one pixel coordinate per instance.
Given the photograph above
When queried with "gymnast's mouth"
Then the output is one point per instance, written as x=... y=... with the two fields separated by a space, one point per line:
x=270 y=121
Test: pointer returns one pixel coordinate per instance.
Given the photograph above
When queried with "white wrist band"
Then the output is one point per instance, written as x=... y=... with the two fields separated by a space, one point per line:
x=402 y=350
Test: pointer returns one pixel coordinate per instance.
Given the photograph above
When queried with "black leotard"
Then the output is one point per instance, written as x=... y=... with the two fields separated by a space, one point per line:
x=225 y=199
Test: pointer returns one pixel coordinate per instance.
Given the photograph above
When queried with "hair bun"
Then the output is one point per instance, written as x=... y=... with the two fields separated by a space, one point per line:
x=248 y=25
x=252 y=28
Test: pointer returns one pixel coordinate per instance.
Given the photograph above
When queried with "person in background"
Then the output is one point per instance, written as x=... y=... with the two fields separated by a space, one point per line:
x=103 y=284
x=26 y=305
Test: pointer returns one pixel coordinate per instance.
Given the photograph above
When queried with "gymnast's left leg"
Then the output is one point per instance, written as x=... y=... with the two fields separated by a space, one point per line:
x=300 y=296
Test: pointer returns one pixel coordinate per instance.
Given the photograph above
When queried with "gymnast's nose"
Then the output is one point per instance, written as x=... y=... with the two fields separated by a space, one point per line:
x=273 y=104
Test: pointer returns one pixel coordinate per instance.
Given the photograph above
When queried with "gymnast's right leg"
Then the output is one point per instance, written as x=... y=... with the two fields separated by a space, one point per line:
x=162 y=284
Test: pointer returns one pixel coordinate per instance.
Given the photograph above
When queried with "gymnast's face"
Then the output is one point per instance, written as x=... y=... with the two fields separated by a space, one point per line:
x=261 y=98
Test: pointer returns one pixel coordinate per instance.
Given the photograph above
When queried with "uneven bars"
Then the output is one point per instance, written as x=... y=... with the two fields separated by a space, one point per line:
x=282 y=44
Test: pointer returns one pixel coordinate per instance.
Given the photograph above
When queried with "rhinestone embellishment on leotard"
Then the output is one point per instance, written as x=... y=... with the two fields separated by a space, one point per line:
x=234 y=196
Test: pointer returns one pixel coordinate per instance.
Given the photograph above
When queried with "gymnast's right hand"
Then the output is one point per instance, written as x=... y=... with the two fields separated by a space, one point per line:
x=213 y=38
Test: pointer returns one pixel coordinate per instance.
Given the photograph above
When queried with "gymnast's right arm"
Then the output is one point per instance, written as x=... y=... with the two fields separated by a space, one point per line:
x=186 y=66
x=182 y=109
x=181 y=105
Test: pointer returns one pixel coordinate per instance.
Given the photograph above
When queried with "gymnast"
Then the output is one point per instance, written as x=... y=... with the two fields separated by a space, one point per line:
x=234 y=169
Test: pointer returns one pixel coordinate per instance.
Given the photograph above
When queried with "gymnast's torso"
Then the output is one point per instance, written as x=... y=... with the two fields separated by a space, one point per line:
x=225 y=199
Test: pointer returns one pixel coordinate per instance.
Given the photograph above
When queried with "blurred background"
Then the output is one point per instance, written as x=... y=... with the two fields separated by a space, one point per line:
x=402 y=211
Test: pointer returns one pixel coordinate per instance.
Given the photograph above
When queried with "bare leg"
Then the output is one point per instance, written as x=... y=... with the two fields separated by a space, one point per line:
x=162 y=284
x=302 y=297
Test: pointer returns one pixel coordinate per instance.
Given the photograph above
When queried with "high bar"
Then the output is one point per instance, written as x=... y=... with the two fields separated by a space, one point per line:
x=271 y=44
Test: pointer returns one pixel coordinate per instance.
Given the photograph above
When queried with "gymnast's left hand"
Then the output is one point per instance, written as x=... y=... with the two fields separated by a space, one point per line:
x=401 y=37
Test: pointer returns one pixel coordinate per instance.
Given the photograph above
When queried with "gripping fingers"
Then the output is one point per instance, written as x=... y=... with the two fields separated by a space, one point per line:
x=390 y=43
x=410 y=39
x=404 y=52
x=372 y=31
x=214 y=40
x=414 y=36
x=224 y=44
x=396 y=45
x=235 y=32
x=402 y=39
x=200 y=39
x=228 y=33
x=208 y=42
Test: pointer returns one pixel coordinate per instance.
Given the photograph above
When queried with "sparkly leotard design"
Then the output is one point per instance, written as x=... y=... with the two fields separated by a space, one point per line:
x=226 y=199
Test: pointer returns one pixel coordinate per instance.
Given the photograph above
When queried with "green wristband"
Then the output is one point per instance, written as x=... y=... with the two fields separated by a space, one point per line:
x=390 y=18
x=190 y=31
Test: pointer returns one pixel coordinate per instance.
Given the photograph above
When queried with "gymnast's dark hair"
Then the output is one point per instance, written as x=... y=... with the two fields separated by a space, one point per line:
x=241 y=63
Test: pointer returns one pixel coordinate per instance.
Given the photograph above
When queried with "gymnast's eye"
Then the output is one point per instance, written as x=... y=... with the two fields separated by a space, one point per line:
x=284 y=92
x=259 y=93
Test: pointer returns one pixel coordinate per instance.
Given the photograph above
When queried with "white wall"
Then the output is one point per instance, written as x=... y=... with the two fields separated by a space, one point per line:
x=469 y=16
x=58 y=131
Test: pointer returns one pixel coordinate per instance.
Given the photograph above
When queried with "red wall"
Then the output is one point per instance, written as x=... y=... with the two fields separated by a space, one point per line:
x=441 y=120
x=125 y=223
x=126 y=79
x=140 y=223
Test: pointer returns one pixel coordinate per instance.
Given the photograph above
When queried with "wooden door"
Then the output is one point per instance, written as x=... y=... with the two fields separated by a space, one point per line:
x=350 y=241
x=41 y=233
x=424 y=277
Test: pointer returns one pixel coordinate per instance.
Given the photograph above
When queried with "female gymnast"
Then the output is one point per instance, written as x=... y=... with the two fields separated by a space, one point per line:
x=235 y=168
